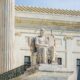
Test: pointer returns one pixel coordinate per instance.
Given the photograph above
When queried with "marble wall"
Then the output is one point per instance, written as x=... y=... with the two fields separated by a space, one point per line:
x=67 y=47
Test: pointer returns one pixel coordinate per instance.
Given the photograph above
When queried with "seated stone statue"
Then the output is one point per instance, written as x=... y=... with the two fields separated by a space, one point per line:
x=41 y=43
x=43 y=48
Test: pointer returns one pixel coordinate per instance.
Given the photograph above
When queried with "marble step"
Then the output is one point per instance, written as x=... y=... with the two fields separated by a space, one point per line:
x=47 y=78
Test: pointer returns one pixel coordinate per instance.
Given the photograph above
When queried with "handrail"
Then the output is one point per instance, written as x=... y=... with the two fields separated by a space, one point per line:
x=13 y=73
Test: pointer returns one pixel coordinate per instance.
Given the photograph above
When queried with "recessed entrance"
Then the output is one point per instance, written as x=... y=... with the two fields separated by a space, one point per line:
x=78 y=69
x=27 y=61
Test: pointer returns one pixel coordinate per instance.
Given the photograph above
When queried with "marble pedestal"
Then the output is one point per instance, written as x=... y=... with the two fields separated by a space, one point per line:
x=54 y=72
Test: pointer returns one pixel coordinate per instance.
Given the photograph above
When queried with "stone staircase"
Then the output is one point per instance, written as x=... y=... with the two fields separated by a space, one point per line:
x=50 y=72
x=45 y=72
x=29 y=71
x=32 y=69
x=47 y=78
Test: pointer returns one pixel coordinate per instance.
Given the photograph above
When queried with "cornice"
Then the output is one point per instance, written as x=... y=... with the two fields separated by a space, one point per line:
x=48 y=10
x=65 y=24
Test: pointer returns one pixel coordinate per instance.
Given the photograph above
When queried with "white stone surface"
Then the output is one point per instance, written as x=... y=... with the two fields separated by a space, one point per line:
x=54 y=68
x=68 y=59
x=68 y=50
x=47 y=16
x=7 y=34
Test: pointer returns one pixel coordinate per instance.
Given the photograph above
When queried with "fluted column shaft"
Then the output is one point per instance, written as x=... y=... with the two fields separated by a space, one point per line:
x=7 y=31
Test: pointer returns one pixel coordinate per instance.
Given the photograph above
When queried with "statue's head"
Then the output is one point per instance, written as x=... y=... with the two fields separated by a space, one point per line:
x=42 y=32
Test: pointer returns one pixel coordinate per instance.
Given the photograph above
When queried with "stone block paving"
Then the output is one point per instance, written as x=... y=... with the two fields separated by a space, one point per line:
x=36 y=76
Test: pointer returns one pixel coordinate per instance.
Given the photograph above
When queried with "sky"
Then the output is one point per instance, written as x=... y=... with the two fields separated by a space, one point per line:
x=58 y=4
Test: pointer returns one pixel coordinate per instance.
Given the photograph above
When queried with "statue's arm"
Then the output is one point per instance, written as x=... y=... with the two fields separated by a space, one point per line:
x=38 y=44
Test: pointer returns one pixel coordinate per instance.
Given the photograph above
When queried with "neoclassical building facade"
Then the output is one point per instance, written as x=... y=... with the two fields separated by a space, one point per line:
x=63 y=24
x=20 y=24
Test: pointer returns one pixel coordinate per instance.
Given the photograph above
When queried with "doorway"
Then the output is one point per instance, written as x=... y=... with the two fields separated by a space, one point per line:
x=78 y=69
x=27 y=61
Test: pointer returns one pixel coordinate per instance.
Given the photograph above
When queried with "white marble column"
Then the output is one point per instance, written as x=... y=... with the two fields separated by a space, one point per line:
x=7 y=30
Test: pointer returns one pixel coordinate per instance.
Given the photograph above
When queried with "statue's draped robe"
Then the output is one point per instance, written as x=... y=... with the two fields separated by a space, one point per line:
x=51 y=48
x=42 y=49
x=33 y=50
x=41 y=46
